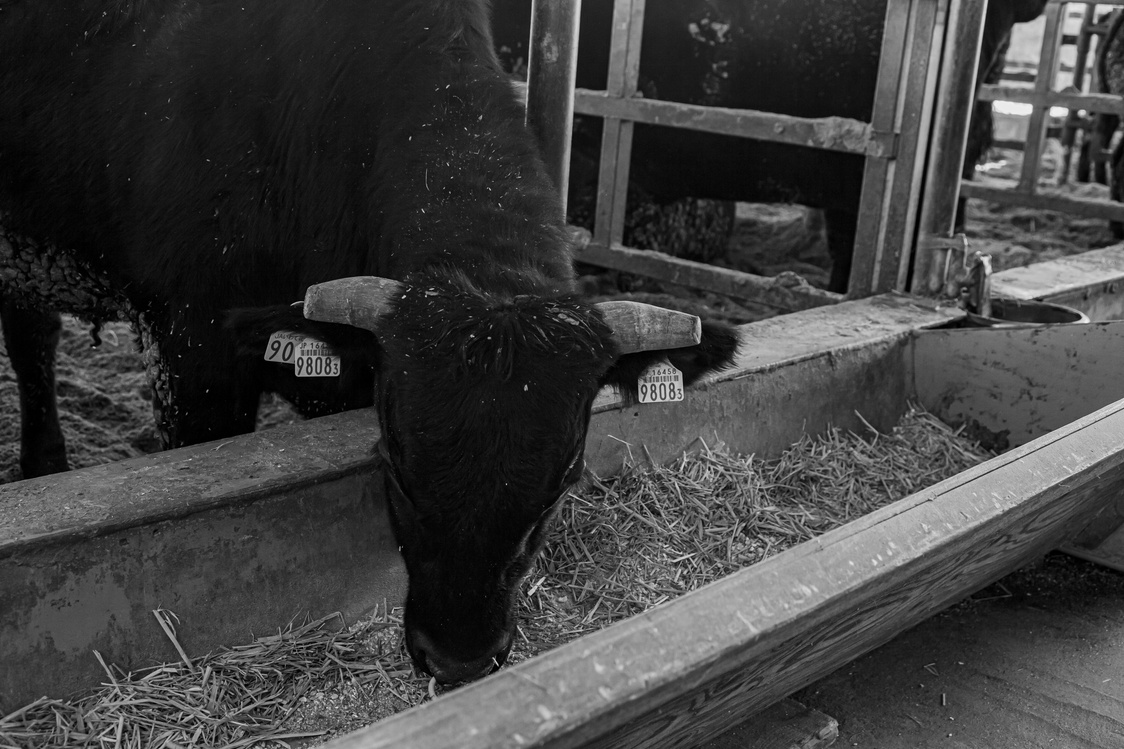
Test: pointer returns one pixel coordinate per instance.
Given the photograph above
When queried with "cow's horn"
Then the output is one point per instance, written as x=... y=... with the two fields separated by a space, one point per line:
x=358 y=301
x=645 y=327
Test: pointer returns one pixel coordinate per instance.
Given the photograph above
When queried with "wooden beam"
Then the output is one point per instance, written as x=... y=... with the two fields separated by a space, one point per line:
x=685 y=671
x=830 y=133
x=782 y=293
x=1022 y=95
x=1106 y=209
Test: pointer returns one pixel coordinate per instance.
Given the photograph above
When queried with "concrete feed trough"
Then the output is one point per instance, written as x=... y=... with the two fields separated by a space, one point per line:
x=239 y=536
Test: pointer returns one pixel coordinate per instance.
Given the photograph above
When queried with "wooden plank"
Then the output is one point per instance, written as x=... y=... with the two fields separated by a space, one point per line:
x=1044 y=199
x=1022 y=95
x=782 y=292
x=785 y=725
x=1021 y=381
x=684 y=671
x=830 y=133
x=1043 y=85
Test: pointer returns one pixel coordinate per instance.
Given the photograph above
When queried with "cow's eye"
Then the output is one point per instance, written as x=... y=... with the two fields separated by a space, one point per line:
x=574 y=471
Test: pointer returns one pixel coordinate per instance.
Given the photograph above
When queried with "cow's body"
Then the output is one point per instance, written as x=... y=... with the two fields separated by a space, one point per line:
x=195 y=157
x=806 y=58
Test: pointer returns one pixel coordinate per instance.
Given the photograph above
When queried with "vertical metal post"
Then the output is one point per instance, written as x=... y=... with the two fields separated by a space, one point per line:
x=1043 y=85
x=552 y=67
x=902 y=109
x=616 y=136
x=955 y=96
x=1073 y=119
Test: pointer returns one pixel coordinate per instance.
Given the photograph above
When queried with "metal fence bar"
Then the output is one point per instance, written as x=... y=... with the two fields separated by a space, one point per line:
x=1081 y=63
x=616 y=136
x=886 y=224
x=1043 y=86
x=1020 y=95
x=1106 y=209
x=552 y=69
x=955 y=95
x=828 y=133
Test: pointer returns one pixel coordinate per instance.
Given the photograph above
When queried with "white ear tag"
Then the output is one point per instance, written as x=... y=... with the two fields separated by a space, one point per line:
x=660 y=383
x=315 y=359
x=282 y=346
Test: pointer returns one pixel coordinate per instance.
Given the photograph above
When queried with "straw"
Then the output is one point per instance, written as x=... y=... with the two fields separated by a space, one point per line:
x=620 y=546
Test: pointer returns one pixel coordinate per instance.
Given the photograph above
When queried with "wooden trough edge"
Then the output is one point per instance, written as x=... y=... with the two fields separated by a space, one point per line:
x=690 y=669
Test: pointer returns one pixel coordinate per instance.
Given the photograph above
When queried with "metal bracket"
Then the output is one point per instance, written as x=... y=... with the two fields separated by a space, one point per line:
x=967 y=281
x=882 y=144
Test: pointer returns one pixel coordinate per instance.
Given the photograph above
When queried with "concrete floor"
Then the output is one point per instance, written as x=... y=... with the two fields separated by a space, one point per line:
x=1036 y=660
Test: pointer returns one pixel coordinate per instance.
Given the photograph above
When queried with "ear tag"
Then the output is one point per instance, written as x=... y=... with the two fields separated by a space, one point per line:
x=660 y=383
x=282 y=346
x=315 y=359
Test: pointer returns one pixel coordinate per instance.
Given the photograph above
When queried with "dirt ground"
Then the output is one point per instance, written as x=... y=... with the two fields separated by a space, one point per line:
x=1033 y=661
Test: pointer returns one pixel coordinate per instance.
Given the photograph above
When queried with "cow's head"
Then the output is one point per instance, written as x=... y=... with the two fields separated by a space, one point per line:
x=484 y=401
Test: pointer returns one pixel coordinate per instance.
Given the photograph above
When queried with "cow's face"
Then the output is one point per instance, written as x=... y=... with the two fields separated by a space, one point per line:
x=484 y=409
x=484 y=401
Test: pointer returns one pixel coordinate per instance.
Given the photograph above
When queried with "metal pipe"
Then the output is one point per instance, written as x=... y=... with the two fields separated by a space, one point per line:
x=955 y=98
x=551 y=71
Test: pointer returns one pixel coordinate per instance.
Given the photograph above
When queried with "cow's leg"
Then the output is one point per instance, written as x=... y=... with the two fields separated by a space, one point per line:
x=841 y=225
x=200 y=390
x=31 y=336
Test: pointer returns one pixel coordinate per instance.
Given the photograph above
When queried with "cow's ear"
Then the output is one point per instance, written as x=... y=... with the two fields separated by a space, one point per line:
x=714 y=352
x=251 y=327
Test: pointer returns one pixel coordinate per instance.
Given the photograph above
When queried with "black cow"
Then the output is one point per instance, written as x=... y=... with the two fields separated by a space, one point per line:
x=807 y=58
x=197 y=157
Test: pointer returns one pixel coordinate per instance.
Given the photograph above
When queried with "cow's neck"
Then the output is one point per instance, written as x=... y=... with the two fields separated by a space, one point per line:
x=468 y=190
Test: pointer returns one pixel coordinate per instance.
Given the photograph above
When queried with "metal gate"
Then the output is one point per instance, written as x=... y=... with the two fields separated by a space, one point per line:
x=895 y=144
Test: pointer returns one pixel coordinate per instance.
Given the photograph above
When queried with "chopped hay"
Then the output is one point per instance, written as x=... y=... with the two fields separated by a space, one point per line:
x=655 y=532
x=620 y=546
x=240 y=697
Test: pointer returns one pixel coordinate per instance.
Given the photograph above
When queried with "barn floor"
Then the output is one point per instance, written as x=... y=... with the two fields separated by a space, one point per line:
x=1036 y=660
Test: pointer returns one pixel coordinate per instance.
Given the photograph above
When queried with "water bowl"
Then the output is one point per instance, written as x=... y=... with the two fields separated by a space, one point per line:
x=1012 y=312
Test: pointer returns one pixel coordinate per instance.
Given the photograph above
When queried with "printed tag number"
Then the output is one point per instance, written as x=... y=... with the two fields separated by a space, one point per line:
x=660 y=383
x=315 y=359
x=282 y=346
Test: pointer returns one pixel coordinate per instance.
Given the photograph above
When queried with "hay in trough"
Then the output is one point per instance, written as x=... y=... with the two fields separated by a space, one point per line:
x=240 y=697
x=620 y=546
x=653 y=533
